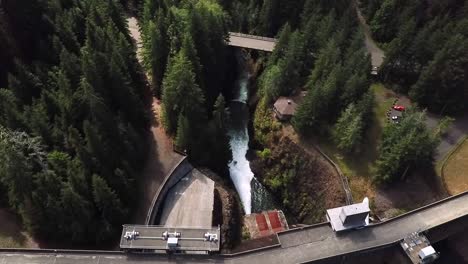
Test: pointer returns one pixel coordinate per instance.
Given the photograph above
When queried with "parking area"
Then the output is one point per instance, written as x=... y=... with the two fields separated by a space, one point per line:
x=396 y=112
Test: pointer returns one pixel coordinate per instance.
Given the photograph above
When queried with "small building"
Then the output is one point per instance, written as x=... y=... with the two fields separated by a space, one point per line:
x=428 y=254
x=284 y=108
x=266 y=223
x=350 y=216
x=418 y=249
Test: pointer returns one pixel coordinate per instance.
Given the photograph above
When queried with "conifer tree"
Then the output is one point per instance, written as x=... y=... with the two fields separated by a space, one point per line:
x=220 y=141
x=181 y=94
x=183 y=133
x=442 y=85
x=348 y=130
x=109 y=206
x=269 y=17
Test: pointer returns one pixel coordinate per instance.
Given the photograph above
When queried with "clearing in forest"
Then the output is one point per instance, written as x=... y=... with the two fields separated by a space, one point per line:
x=455 y=170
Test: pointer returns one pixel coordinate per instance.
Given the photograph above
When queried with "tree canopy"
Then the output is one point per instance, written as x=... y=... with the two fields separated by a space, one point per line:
x=72 y=99
x=427 y=50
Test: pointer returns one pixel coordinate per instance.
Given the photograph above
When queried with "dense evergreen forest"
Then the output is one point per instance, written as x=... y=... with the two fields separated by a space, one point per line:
x=186 y=55
x=72 y=119
x=426 y=46
x=323 y=55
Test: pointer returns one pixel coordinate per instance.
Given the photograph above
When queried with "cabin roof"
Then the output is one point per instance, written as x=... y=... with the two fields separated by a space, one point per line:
x=285 y=106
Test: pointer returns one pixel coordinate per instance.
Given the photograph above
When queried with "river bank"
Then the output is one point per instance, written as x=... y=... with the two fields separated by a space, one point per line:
x=269 y=170
x=254 y=197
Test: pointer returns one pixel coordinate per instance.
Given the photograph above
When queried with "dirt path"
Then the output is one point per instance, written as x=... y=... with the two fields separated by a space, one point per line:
x=460 y=126
x=161 y=158
x=11 y=233
x=377 y=54
x=136 y=35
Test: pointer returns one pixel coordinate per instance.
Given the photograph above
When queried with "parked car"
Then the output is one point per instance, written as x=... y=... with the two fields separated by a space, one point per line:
x=399 y=108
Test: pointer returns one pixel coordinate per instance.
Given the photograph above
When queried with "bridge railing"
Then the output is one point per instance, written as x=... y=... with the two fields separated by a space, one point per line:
x=242 y=35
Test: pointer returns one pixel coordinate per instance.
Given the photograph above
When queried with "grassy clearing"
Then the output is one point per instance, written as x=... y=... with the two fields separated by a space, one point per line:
x=359 y=168
x=455 y=170
x=384 y=100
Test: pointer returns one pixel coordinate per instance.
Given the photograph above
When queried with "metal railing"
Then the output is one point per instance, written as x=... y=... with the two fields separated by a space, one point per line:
x=242 y=35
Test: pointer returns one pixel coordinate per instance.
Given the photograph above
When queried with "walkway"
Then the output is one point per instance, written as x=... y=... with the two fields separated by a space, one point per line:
x=297 y=246
x=161 y=158
x=251 y=42
x=377 y=55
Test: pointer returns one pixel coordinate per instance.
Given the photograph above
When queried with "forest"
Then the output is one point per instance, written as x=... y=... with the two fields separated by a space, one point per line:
x=186 y=56
x=72 y=118
x=74 y=103
x=426 y=45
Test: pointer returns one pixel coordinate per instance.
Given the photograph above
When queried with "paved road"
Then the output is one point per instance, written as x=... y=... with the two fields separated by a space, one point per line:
x=296 y=246
x=455 y=133
x=251 y=42
x=377 y=54
x=459 y=128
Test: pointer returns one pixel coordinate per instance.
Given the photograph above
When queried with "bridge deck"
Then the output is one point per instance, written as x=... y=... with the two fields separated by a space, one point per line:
x=150 y=237
x=300 y=245
x=251 y=42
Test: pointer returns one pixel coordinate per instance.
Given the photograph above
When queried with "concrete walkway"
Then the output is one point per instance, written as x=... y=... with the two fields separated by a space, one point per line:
x=190 y=202
x=296 y=246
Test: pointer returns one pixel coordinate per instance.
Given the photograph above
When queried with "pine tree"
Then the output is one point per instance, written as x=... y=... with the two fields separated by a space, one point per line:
x=404 y=146
x=19 y=156
x=181 y=94
x=383 y=24
x=220 y=141
x=182 y=139
x=208 y=29
x=269 y=17
x=442 y=85
x=10 y=115
x=155 y=51
x=77 y=214
x=46 y=206
x=348 y=131
x=281 y=46
x=190 y=52
x=109 y=206
x=325 y=63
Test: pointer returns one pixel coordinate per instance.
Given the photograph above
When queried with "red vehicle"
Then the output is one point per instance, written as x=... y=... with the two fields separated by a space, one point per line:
x=399 y=108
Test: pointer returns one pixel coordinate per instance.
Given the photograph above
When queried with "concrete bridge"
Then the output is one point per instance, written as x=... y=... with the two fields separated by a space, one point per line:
x=251 y=42
x=317 y=244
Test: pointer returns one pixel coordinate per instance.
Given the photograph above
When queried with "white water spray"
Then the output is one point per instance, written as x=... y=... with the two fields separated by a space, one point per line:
x=239 y=168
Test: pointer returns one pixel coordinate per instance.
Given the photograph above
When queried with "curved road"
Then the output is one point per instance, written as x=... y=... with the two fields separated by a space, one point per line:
x=296 y=246
x=377 y=54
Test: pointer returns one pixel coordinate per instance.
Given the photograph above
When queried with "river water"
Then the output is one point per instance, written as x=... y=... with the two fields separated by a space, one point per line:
x=253 y=195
